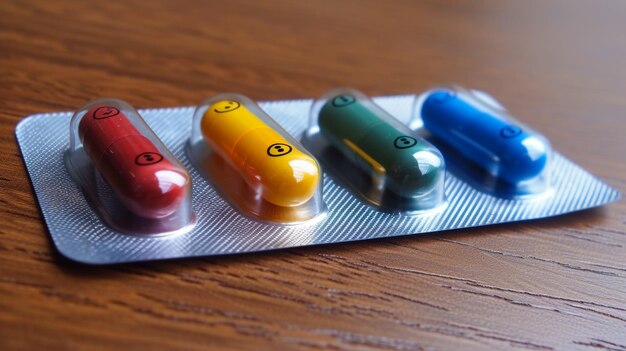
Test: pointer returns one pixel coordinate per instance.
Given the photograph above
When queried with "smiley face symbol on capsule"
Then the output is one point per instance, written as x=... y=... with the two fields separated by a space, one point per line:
x=226 y=106
x=510 y=131
x=105 y=112
x=278 y=149
x=404 y=142
x=343 y=100
x=148 y=158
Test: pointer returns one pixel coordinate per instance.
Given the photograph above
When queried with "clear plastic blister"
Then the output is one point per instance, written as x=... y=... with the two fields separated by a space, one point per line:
x=235 y=214
x=255 y=165
x=375 y=155
x=483 y=144
x=131 y=179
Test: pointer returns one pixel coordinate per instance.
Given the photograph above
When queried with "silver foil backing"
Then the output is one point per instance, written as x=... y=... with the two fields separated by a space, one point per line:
x=80 y=235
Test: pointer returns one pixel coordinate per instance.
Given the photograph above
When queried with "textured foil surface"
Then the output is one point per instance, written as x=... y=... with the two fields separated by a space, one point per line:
x=79 y=233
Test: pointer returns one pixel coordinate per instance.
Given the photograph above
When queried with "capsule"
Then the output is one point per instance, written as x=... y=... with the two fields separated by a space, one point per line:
x=408 y=165
x=281 y=173
x=143 y=180
x=503 y=148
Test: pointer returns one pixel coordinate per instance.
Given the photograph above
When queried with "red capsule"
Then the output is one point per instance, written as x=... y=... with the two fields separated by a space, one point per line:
x=146 y=182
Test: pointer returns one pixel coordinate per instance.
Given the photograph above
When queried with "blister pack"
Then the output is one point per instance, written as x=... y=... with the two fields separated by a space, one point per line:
x=231 y=176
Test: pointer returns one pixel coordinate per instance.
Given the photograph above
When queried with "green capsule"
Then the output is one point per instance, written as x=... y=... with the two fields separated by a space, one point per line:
x=385 y=149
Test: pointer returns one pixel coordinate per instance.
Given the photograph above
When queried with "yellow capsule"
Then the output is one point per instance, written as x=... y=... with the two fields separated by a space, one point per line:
x=282 y=174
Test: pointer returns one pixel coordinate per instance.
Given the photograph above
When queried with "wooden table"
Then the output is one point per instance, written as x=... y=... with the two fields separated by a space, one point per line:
x=552 y=284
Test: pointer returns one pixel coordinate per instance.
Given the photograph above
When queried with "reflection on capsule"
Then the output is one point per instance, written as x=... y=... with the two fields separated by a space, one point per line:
x=146 y=183
x=407 y=165
x=282 y=174
x=503 y=149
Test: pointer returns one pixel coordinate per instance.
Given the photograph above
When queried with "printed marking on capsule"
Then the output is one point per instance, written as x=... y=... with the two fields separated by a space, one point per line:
x=148 y=158
x=364 y=135
x=343 y=100
x=144 y=181
x=279 y=149
x=404 y=142
x=227 y=106
x=490 y=141
x=284 y=175
x=105 y=112
x=510 y=131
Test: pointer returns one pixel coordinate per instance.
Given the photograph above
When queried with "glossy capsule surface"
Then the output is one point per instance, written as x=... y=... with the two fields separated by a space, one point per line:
x=409 y=165
x=146 y=182
x=281 y=173
x=501 y=147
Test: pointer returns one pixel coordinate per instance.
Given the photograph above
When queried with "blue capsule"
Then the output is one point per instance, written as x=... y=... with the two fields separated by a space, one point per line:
x=503 y=148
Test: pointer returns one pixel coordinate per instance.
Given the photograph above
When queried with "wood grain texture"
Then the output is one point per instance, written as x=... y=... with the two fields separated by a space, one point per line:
x=557 y=284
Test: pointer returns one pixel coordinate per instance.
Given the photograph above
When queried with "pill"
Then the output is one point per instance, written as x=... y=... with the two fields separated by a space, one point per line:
x=275 y=168
x=143 y=180
x=502 y=148
x=364 y=134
